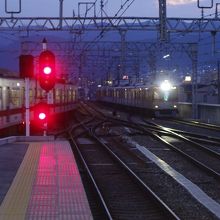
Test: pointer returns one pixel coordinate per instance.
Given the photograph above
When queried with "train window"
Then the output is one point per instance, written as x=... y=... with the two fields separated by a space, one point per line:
x=57 y=97
x=63 y=95
x=69 y=97
x=146 y=94
x=117 y=94
x=74 y=95
x=31 y=96
x=132 y=94
x=14 y=95
x=156 y=95
x=122 y=93
x=126 y=94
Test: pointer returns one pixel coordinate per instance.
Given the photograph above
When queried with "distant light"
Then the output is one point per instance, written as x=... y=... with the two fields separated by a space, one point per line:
x=99 y=86
x=156 y=106
x=18 y=84
x=165 y=56
x=188 y=79
x=109 y=82
x=175 y=106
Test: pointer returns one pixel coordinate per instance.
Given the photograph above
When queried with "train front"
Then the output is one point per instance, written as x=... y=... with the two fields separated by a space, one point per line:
x=165 y=99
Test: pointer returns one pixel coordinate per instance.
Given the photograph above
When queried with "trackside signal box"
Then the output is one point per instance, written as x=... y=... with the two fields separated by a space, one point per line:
x=26 y=66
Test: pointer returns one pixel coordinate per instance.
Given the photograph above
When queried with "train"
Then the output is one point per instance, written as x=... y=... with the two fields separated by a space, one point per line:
x=61 y=98
x=158 y=100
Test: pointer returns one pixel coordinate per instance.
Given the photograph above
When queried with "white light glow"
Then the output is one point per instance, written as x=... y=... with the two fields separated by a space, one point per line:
x=42 y=116
x=165 y=85
x=188 y=78
x=166 y=56
x=47 y=70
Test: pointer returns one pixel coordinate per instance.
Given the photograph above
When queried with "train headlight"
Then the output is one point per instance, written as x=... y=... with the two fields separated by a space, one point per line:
x=166 y=86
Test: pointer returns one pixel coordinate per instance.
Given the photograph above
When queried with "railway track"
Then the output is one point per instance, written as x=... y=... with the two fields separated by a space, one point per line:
x=123 y=194
x=165 y=187
x=199 y=129
x=202 y=178
x=198 y=124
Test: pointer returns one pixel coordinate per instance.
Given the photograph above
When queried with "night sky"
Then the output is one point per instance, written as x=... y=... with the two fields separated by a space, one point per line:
x=175 y=8
x=9 y=42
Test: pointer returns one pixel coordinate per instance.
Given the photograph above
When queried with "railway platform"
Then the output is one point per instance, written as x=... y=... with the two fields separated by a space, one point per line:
x=40 y=180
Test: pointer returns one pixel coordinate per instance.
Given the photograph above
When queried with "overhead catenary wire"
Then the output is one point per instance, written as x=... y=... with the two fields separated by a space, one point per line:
x=100 y=36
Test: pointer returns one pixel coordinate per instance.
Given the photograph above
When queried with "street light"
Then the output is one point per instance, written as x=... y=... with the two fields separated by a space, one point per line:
x=166 y=56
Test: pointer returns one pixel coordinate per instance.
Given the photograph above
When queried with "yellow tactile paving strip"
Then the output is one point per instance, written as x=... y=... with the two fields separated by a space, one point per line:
x=47 y=186
x=16 y=201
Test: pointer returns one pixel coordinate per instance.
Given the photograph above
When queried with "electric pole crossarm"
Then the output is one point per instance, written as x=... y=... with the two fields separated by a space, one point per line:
x=107 y=24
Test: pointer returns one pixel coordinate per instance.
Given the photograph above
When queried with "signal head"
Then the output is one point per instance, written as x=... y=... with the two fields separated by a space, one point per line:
x=47 y=74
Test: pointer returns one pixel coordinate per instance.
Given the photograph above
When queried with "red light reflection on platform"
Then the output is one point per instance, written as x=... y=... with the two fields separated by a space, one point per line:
x=57 y=184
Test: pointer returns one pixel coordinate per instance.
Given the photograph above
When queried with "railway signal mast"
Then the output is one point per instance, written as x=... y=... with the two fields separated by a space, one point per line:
x=47 y=79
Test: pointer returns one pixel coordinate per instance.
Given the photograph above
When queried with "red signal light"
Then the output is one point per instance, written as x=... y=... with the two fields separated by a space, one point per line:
x=41 y=112
x=42 y=116
x=47 y=70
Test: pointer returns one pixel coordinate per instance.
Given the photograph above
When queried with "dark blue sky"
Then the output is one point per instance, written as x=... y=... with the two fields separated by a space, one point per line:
x=175 y=8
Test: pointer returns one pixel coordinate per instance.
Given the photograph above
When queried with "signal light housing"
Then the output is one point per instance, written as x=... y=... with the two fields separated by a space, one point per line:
x=26 y=66
x=47 y=74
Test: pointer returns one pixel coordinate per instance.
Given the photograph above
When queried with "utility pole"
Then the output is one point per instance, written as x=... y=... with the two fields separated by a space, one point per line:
x=123 y=53
x=194 y=54
x=61 y=14
x=163 y=19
